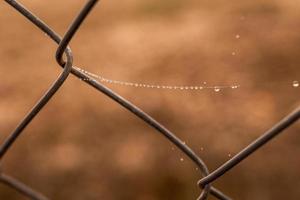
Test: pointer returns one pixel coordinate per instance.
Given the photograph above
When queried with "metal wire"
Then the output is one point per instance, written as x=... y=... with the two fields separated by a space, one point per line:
x=204 y=183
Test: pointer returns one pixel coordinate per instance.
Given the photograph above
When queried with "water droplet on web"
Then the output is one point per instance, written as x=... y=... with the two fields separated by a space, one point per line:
x=143 y=85
x=233 y=53
x=197 y=168
x=181 y=159
x=217 y=89
x=296 y=84
x=229 y=155
x=201 y=149
x=237 y=36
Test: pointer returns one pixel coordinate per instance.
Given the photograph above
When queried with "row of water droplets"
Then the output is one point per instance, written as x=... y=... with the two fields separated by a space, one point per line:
x=169 y=87
x=166 y=87
x=153 y=86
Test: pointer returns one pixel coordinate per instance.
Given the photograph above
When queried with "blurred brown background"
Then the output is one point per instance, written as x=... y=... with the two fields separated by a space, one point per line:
x=85 y=146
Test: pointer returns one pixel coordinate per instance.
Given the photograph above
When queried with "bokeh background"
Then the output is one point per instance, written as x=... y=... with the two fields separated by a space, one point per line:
x=85 y=146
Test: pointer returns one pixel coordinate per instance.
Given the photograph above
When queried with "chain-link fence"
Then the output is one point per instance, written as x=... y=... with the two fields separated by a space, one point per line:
x=205 y=183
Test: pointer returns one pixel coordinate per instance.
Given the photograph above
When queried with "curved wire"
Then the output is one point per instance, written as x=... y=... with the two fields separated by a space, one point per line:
x=45 y=98
x=37 y=108
x=160 y=128
x=122 y=101
x=259 y=142
x=67 y=66
x=63 y=46
x=72 y=30
x=21 y=187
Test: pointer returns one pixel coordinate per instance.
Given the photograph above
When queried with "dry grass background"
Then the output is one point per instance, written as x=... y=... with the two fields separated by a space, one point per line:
x=85 y=146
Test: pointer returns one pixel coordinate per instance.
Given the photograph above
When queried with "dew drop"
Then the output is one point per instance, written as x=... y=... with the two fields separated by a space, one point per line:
x=197 y=168
x=217 y=89
x=237 y=36
x=233 y=53
x=296 y=84
x=181 y=159
x=229 y=155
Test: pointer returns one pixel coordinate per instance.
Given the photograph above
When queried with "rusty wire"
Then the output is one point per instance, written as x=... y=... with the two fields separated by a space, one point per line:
x=68 y=68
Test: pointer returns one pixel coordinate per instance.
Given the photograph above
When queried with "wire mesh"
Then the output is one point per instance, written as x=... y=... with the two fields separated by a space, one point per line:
x=205 y=183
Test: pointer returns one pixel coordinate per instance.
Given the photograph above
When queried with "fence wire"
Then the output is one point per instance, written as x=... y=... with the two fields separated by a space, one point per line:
x=205 y=183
